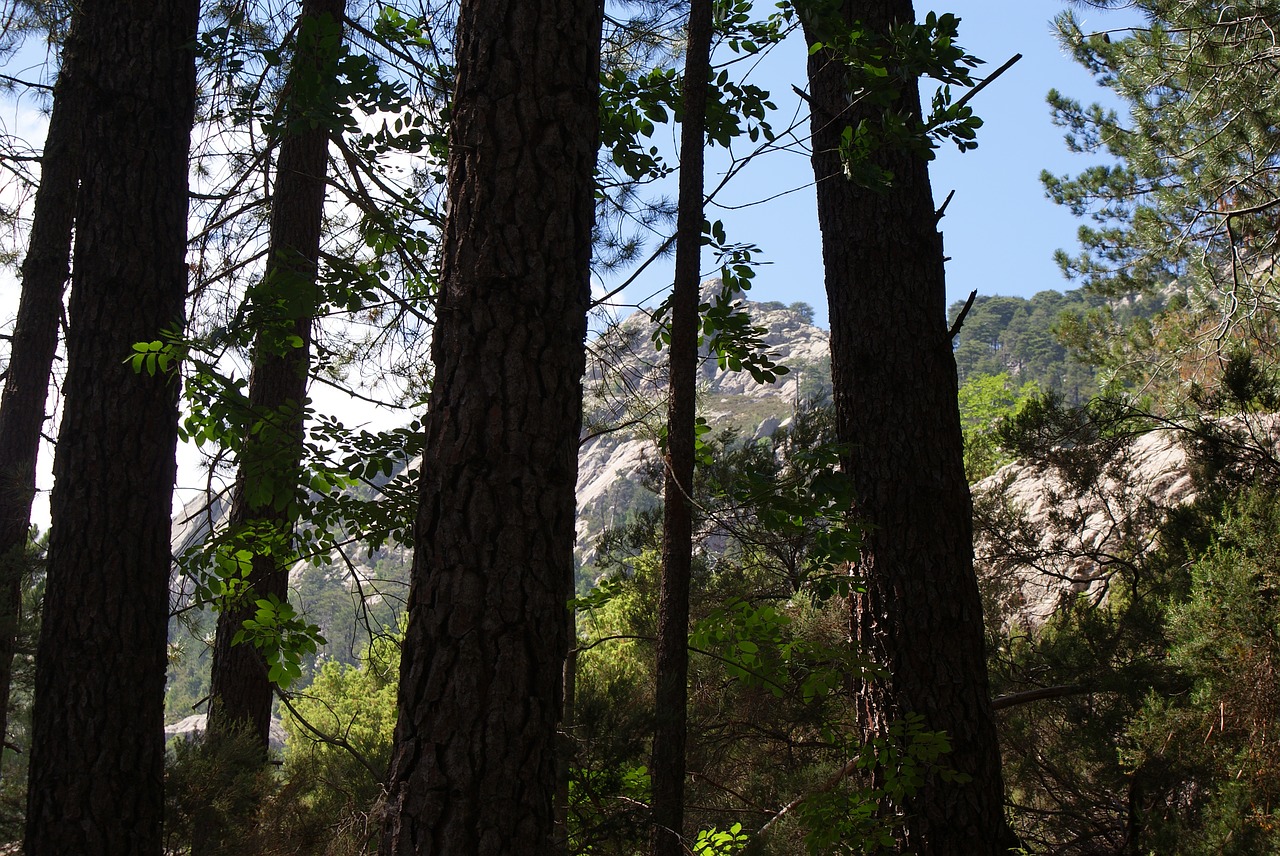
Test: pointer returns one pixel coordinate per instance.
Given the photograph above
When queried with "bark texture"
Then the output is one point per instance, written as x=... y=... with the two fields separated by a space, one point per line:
x=31 y=350
x=473 y=772
x=98 y=743
x=285 y=303
x=667 y=766
x=895 y=396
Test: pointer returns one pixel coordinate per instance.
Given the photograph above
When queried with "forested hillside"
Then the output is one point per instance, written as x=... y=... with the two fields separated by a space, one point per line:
x=519 y=561
x=1022 y=338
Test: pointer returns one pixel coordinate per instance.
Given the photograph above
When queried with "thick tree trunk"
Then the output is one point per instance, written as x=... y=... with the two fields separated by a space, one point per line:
x=285 y=302
x=920 y=618
x=667 y=767
x=98 y=742
x=32 y=347
x=474 y=767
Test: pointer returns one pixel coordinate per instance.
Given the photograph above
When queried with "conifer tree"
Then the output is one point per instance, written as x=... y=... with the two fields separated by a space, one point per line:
x=1190 y=196
x=474 y=766
x=919 y=615
x=32 y=346
x=97 y=749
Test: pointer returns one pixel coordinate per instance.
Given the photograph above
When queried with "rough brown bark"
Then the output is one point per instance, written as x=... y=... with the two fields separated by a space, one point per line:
x=667 y=766
x=31 y=351
x=97 y=742
x=473 y=771
x=894 y=378
x=286 y=301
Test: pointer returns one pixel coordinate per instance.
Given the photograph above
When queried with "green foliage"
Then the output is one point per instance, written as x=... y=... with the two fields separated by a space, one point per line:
x=633 y=103
x=220 y=793
x=351 y=609
x=804 y=310
x=190 y=655
x=784 y=503
x=629 y=107
x=727 y=330
x=984 y=402
x=377 y=87
x=152 y=357
x=845 y=818
x=640 y=90
x=350 y=484
x=283 y=638
x=220 y=798
x=613 y=704
x=1162 y=741
x=1023 y=338
x=321 y=800
x=880 y=71
x=768 y=722
x=770 y=716
x=340 y=738
x=758 y=646
x=720 y=842
x=1216 y=738
x=1180 y=198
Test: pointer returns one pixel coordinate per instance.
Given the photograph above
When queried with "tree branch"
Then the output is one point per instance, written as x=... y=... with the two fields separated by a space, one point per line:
x=938 y=215
x=1014 y=699
x=17 y=81
x=330 y=739
x=968 y=304
x=990 y=77
x=836 y=778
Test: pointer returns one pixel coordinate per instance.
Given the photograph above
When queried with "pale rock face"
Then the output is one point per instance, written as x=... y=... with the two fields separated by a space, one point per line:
x=625 y=405
x=193 y=728
x=602 y=462
x=1072 y=537
x=1058 y=539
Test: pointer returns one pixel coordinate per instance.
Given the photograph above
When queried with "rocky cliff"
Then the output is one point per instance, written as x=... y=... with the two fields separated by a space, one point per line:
x=625 y=404
x=356 y=591
x=1045 y=533
x=1064 y=527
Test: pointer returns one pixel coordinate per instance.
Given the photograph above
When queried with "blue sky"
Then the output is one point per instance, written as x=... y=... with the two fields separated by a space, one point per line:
x=1000 y=230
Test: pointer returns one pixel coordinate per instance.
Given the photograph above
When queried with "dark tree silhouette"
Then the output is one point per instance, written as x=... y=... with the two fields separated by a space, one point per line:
x=97 y=740
x=285 y=303
x=920 y=617
x=474 y=765
x=672 y=669
x=32 y=347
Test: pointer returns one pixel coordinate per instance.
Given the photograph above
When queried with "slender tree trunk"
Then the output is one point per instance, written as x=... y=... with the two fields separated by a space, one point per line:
x=568 y=719
x=667 y=767
x=285 y=303
x=894 y=378
x=1133 y=822
x=32 y=347
x=473 y=772
x=97 y=741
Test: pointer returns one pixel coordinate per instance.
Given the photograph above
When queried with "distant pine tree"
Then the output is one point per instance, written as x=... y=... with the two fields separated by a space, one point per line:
x=1024 y=338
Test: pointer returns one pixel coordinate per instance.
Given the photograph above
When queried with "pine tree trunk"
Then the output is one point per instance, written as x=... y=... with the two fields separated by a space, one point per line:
x=667 y=767
x=286 y=302
x=568 y=720
x=98 y=741
x=473 y=771
x=31 y=351
x=894 y=380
